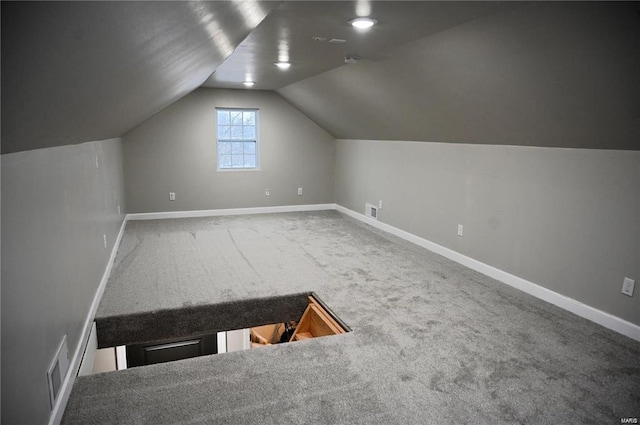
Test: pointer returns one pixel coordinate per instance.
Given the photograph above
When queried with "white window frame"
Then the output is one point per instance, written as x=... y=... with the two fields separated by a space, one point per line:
x=230 y=140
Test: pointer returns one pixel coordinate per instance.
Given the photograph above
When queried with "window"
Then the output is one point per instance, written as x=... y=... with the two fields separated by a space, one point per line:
x=237 y=138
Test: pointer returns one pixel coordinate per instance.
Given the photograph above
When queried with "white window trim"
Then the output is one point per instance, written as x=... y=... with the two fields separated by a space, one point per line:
x=258 y=162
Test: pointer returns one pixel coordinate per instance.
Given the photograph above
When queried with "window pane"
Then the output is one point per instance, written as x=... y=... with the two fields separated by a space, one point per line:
x=224 y=132
x=250 y=148
x=236 y=117
x=250 y=161
x=249 y=118
x=236 y=148
x=223 y=117
x=236 y=132
x=249 y=133
x=237 y=161
x=224 y=148
x=224 y=161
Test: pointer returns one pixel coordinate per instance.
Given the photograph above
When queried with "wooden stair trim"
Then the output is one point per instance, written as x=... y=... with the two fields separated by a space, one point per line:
x=325 y=324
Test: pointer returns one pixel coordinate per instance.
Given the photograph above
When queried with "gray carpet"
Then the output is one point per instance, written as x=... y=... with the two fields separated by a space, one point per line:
x=432 y=342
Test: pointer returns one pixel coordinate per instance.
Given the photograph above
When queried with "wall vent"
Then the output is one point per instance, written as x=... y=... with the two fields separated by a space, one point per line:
x=371 y=211
x=57 y=371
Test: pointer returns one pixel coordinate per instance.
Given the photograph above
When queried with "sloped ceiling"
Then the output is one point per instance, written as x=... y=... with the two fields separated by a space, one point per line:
x=79 y=71
x=82 y=70
x=560 y=74
x=553 y=74
x=315 y=37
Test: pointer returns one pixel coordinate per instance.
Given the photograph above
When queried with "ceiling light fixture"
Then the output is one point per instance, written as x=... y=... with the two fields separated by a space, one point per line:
x=283 y=65
x=363 y=23
x=249 y=83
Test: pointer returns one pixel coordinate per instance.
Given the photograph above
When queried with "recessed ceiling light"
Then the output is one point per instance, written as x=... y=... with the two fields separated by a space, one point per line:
x=363 y=23
x=249 y=83
x=283 y=65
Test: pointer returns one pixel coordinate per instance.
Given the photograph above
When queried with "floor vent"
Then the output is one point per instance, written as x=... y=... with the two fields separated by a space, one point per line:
x=57 y=371
x=371 y=211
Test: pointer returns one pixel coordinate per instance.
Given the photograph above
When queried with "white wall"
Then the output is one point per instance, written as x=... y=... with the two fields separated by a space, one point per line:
x=56 y=207
x=175 y=151
x=238 y=340
x=566 y=219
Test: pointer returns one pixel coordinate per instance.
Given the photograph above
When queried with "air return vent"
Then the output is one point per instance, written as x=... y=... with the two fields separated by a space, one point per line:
x=57 y=371
x=370 y=211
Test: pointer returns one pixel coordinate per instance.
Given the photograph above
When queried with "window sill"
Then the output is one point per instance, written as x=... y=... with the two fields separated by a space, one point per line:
x=234 y=170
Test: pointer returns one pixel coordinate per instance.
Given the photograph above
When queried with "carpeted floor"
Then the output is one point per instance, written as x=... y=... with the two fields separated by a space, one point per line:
x=432 y=342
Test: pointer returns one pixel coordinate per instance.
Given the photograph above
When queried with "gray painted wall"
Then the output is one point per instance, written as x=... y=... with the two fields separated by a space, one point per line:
x=557 y=74
x=566 y=219
x=56 y=205
x=175 y=151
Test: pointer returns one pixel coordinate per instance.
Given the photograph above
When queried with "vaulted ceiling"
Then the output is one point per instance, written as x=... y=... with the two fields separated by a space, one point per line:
x=79 y=71
x=546 y=74
x=478 y=72
x=315 y=37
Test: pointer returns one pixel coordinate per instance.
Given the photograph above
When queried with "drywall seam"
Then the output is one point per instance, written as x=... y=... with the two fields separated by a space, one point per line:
x=600 y=317
x=230 y=211
x=65 y=391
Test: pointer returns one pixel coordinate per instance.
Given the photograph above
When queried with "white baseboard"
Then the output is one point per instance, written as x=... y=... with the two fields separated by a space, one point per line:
x=600 y=317
x=605 y=319
x=230 y=211
x=74 y=365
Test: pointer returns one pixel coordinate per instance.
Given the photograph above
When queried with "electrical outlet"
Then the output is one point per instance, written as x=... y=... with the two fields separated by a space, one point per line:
x=119 y=210
x=380 y=204
x=299 y=191
x=172 y=196
x=104 y=238
x=627 y=286
x=267 y=192
x=460 y=229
